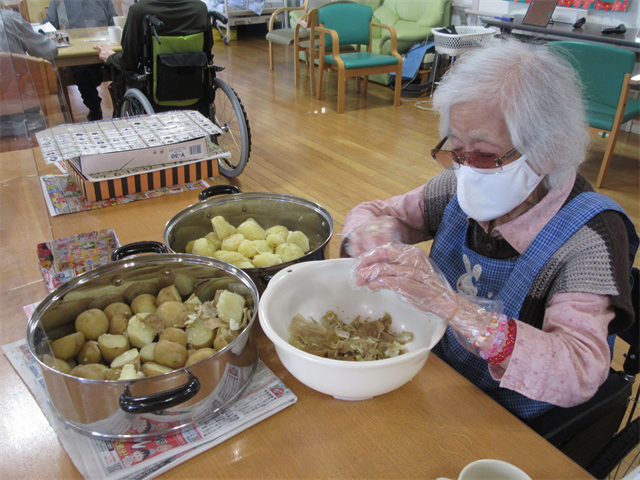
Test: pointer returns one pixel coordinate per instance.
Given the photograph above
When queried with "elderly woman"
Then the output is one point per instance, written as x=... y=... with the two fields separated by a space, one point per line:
x=534 y=265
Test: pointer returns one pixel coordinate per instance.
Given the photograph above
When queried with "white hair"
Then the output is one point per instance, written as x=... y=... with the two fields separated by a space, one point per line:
x=540 y=95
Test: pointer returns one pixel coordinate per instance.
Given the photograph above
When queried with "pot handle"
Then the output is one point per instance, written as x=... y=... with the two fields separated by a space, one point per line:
x=218 y=190
x=160 y=401
x=136 y=248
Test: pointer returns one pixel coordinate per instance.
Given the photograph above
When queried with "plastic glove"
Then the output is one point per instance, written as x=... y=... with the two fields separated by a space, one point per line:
x=409 y=272
x=379 y=231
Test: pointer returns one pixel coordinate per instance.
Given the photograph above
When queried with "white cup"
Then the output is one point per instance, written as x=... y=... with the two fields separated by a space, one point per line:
x=115 y=35
x=491 y=470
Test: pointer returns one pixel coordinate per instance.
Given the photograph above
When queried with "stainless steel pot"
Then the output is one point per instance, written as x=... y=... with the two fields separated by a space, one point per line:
x=268 y=209
x=162 y=404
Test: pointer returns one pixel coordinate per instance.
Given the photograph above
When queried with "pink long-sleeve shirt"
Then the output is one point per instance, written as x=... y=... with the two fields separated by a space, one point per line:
x=565 y=362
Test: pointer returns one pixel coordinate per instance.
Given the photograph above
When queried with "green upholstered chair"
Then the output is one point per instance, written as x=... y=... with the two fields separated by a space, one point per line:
x=413 y=21
x=284 y=36
x=350 y=24
x=605 y=72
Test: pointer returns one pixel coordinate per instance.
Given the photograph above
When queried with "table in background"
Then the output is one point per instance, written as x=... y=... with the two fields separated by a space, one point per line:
x=80 y=52
x=589 y=32
x=432 y=426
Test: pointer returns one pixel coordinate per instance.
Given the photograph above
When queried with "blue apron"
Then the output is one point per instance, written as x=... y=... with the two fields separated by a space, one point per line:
x=509 y=281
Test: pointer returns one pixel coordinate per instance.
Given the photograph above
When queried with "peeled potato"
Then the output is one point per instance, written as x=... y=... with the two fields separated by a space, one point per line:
x=198 y=355
x=276 y=239
x=251 y=230
x=93 y=371
x=213 y=238
x=68 y=347
x=89 y=353
x=146 y=353
x=189 y=246
x=145 y=303
x=199 y=336
x=266 y=259
x=231 y=257
x=277 y=229
x=139 y=332
x=222 y=228
x=112 y=346
x=192 y=303
x=232 y=242
x=130 y=356
x=170 y=354
x=289 y=251
x=230 y=306
x=92 y=323
x=247 y=248
x=129 y=372
x=168 y=294
x=204 y=247
x=262 y=246
x=300 y=239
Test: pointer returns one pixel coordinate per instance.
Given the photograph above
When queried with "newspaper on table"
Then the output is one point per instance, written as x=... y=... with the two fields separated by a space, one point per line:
x=116 y=460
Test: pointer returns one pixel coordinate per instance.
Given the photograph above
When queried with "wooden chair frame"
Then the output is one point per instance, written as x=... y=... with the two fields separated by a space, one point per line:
x=344 y=73
x=617 y=123
x=272 y=20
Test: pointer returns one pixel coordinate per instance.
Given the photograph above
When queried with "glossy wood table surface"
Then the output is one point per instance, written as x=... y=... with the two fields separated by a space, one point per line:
x=431 y=427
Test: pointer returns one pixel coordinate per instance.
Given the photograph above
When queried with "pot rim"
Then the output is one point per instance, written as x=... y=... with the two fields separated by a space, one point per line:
x=164 y=258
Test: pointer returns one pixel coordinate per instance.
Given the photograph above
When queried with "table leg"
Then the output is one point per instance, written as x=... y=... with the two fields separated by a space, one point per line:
x=64 y=86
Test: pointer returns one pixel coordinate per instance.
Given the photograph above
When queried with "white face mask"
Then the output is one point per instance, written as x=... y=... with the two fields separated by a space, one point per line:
x=487 y=196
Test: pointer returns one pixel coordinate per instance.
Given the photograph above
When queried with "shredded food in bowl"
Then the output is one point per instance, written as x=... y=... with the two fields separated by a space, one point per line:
x=360 y=340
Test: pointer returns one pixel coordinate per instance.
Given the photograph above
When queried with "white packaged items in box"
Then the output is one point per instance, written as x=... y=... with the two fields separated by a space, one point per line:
x=124 y=143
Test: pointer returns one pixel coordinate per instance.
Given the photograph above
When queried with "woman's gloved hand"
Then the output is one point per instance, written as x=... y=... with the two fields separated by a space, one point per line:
x=380 y=231
x=409 y=272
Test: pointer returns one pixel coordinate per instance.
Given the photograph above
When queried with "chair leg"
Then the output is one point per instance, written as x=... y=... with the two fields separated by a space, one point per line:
x=341 y=88
x=296 y=63
x=320 y=73
x=365 y=84
x=398 y=90
x=358 y=83
x=312 y=74
x=271 y=55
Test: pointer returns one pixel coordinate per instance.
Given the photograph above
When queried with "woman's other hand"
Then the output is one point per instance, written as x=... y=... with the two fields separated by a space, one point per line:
x=379 y=231
x=105 y=51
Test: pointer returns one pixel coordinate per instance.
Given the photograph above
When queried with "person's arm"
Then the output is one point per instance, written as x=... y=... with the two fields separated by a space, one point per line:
x=35 y=44
x=129 y=58
x=565 y=362
x=111 y=12
x=52 y=15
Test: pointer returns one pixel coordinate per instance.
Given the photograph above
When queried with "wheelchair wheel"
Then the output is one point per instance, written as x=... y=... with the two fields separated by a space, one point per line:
x=228 y=113
x=608 y=461
x=135 y=103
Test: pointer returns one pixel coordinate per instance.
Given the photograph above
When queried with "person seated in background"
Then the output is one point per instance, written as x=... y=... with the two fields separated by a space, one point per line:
x=534 y=265
x=180 y=18
x=66 y=14
x=17 y=36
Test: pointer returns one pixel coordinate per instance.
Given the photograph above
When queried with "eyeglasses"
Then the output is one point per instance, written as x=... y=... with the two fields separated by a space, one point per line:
x=475 y=160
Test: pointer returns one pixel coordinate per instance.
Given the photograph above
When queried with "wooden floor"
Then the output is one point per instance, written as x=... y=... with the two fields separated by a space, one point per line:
x=301 y=146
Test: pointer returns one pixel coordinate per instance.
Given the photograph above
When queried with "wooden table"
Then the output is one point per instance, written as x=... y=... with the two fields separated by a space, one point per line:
x=80 y=52
x=430 y=427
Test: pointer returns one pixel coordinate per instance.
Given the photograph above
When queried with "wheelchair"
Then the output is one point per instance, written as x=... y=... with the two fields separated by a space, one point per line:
x=590 y=433
x=173 y=71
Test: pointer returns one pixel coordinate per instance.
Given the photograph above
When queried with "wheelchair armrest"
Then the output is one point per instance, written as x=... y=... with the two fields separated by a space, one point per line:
x=571 y=429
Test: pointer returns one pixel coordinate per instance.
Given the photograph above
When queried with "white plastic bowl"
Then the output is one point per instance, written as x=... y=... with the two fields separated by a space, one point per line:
x=313 y=288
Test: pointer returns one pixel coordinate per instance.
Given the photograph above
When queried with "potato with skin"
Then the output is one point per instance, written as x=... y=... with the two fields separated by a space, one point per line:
x=252 y=230
x=139 y=332
x=232 y=242
x=203 y=247
x=92 y=323
x=173 y=334
x=104 y=301
x=222 y=228
x=170 y=354
x=118 y=308
x=146 y=352
x=113 y=374
x=154 y=320
x=192 y=303
x=118 y=324
x=111 y=346
x=198 y=355
x=92 y=371
x=145 y=303
x=140 y=288
x=185 y=284
x=89 y=353
x=56 y=363
x=152 y=368
x=173 y=314
x=168 y=294
x=69 y=346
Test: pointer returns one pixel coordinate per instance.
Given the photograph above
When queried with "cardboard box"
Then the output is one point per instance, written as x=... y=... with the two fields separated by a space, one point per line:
x=116 y=144
x=146 y=180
